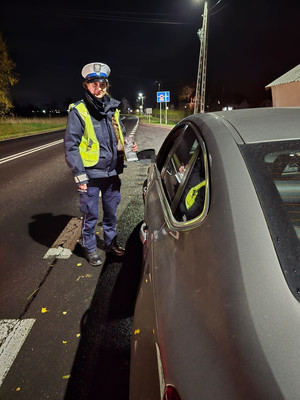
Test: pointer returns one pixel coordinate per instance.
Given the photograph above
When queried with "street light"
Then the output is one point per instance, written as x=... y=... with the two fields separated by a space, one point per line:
x=141 y=97
x=158 y=85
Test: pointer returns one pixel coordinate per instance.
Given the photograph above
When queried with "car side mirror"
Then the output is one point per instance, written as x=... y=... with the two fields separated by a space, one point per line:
x=146 y=156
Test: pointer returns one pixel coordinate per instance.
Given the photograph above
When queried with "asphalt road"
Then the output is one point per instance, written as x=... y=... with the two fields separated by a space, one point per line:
x=67 y=324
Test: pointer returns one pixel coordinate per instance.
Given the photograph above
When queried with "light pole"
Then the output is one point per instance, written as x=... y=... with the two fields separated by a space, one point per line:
x=158 y=89
x=202 y=65
x=141 y=97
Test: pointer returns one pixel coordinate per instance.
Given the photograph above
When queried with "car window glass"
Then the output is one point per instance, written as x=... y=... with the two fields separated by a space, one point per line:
x=184 y=176
x=177 y=162
x=192 y=199
x=284 y=168
x=275 y=170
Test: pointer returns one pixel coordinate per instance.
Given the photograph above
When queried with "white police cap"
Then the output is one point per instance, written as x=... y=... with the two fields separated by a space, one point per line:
x=95 y=70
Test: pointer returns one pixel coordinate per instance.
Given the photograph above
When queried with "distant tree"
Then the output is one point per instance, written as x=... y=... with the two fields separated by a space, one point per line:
x=186 y=96
x=8 y=78
x=125 y=105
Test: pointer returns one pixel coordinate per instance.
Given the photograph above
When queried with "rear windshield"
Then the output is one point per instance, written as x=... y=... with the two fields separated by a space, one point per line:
x=275 y=171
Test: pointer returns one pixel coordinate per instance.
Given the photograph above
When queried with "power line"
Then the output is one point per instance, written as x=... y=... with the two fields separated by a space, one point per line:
x=220 y=9
x=218 y=2
x=115 y=16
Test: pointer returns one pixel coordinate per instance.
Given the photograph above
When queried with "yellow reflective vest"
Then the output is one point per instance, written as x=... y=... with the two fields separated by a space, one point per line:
x=89 y=147
x=192 y=194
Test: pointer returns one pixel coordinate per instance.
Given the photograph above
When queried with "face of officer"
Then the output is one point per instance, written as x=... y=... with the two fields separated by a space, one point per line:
x=97 y=89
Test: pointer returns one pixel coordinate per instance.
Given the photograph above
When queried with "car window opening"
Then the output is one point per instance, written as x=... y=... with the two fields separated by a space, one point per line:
x=184 y=177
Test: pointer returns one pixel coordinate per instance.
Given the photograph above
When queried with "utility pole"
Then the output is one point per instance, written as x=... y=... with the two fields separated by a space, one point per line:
x=202 y=65
x=198 y=85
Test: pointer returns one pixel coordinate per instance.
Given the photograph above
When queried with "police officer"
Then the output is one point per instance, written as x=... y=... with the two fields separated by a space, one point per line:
x=94 y=150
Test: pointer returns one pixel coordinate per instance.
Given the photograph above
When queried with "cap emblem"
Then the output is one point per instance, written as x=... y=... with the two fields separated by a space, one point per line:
x=97 y=68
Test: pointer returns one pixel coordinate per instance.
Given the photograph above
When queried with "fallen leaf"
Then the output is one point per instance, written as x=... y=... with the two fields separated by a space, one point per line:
x=66 y=376
x=78 y=335
x=137 y=331
x=18 y=389
x=44 y=310
x=84 y=276
x=79 y=265
x=65 y=342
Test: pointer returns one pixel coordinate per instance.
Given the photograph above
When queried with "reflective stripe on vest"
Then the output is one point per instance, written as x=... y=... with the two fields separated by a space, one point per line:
x=89 y=147
x=192 y=194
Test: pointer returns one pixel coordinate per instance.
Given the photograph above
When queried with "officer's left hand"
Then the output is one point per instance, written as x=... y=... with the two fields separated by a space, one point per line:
x=134 y=147
x=82 y=188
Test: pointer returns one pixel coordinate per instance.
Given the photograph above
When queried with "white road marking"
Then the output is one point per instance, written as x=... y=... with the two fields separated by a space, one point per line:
x=13 y=333
x=134 y=129
x=30 y=151
x=58 y=252
x=66 y=241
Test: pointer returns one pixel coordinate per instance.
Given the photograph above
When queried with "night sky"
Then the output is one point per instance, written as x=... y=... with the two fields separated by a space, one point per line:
x=251 y=43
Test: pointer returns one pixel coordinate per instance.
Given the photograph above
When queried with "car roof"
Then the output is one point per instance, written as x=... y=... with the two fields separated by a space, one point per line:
x=257 y=125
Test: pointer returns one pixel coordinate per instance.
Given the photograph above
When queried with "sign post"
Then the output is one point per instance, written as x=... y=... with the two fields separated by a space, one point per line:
x=149 y=112
x=160 y=112
x=163 y=97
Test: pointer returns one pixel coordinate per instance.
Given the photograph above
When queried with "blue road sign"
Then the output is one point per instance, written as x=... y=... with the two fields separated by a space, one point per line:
x=163 y=97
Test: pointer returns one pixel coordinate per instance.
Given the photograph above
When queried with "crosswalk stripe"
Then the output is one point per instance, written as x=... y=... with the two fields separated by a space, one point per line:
x=13 y=333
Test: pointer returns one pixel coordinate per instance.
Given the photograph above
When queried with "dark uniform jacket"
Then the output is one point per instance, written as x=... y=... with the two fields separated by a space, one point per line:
x=101 y=112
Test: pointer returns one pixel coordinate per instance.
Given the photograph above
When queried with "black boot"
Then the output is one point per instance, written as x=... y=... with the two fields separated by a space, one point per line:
x=115 y=249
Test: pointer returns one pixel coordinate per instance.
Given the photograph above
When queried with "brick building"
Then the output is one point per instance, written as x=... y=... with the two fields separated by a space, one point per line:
x=286 y=89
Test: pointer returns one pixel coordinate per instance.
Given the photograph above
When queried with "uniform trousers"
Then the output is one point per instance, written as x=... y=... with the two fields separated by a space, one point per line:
x=89 y=206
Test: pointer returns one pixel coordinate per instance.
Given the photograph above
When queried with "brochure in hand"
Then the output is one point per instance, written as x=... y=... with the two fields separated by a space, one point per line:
x=130 y=155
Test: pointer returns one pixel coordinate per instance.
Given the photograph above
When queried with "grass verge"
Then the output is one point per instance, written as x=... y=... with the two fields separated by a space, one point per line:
x=18 y=127
x=173 y=116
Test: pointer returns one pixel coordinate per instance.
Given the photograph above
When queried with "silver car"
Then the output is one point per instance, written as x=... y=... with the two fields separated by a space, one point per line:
x=217 y=313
